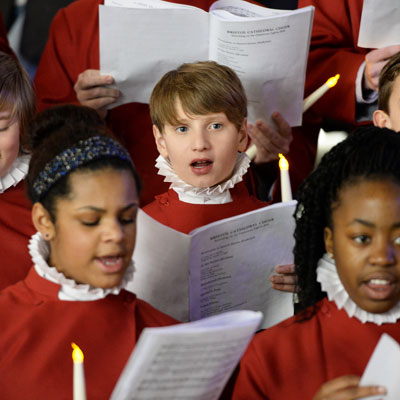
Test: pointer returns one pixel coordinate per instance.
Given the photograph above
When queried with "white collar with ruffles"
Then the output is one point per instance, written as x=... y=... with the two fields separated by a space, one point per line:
x=330 y=282
x=16 y=173
x=70 y=290
x=218 y=194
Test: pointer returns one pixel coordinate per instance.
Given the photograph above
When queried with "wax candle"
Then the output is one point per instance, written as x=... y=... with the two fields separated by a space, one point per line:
x=314 y=96
x=286 y=189
x=79 y=374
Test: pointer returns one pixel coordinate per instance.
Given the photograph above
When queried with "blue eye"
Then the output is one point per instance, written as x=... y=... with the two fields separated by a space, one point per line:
x=215 y=126
x=181 y=129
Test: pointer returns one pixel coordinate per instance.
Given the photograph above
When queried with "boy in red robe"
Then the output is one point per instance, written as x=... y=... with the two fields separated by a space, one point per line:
x=199 y=114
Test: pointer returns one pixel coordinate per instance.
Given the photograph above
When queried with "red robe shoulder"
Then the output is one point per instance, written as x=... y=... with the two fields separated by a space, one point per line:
x=16 y=228
x=37 y=330
x=293 y=359
x=184 y=217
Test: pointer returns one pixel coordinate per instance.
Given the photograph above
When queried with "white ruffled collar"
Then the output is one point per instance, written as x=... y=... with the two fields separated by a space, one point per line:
x=16 y=173
x=70 y=290
x=218 y=194
x=330 y=282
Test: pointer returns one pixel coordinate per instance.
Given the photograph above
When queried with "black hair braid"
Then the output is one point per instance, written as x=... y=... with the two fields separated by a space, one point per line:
x=371 y=153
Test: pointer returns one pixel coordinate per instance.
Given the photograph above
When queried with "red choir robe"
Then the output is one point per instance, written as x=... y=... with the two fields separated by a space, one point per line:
x=37 y=330
x=184 y=217
x=73 y=47
x=292 y=360
x=16 y=228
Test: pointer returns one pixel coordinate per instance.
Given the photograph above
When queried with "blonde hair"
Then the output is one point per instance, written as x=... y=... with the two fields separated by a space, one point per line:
x=17 y=94
x=202 y=88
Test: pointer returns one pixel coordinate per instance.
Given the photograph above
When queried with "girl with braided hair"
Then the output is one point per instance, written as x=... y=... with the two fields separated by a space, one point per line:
x=347 y=257
x=85 y=195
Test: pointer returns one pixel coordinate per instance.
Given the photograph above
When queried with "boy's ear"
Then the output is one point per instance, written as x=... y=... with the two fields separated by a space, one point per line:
x=243 y=138
x=42 y=221
x=328 y=239
x=160 y=142
x=381 y=119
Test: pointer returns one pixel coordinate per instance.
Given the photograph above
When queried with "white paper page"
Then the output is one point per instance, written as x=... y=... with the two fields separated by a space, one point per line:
x=190 y=361
x=383 y=368
x=244 y=9
x=138 y=46
x=380 y=24
x=161 y=258
x=270 y=57
x=231 y=264
x=136 y=3
x=144 y=4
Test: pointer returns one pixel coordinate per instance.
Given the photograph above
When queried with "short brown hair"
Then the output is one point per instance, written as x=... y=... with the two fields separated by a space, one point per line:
x=16 y=92
x=202 y=88
x=386 y=79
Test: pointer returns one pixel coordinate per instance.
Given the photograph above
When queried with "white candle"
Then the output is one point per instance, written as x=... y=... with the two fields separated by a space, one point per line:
x=313 y=97
x=307 y=103
x=286 y=189
x=79 y=374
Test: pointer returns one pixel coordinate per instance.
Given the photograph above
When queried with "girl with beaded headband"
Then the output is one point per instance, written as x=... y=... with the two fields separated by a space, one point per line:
x=85 y=191
x=347 y=257
x=17 y=108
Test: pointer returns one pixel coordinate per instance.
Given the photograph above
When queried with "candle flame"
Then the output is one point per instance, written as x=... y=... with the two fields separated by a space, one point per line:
x=331 y=82
x=77 y=355
x=283 y=163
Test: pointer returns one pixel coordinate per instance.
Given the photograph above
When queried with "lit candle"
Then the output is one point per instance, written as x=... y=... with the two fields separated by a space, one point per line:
x=286 y=190
x=79 y=374
x=307 y=103
x=313 y=97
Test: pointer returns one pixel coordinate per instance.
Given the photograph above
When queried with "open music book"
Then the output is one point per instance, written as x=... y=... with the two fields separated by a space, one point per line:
x=141 y=40
x=191 y=361
x=219 y=267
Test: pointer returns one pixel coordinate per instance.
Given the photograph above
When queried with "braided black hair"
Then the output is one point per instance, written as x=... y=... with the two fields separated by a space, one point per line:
x=368 y=153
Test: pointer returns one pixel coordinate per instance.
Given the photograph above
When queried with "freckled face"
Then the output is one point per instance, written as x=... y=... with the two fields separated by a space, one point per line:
x=9 y=141
x=365 y=241
x=202 y=149
x=95 y=227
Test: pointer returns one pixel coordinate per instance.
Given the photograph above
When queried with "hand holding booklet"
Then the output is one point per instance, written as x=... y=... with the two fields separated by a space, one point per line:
x=141 y=40
x=191 y=361
x=219 y=267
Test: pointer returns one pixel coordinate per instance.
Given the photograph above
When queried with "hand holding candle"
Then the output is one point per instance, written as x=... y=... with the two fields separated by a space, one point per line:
x=286 y=189
x=307 y=103
x=79 y=374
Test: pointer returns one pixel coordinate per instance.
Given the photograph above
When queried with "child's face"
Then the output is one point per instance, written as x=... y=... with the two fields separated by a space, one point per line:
x=202 y=149
x=9 y=141
x=365 y=242
x=94 y=234
x=391 y=120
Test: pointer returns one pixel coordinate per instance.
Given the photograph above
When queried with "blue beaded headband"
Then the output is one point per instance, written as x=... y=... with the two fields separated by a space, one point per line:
x=70 y=159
